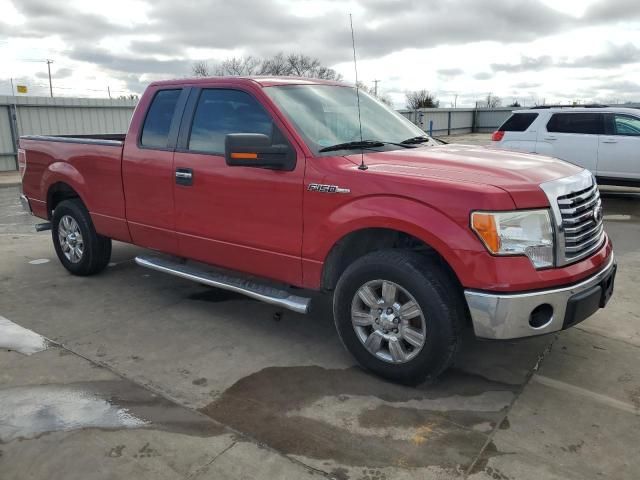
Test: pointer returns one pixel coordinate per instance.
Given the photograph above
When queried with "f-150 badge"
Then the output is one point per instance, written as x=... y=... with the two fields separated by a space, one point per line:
x=318 y=187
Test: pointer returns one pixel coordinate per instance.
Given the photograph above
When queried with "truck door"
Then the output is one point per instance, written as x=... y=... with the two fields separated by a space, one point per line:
x=244 y=218
x=147 y=170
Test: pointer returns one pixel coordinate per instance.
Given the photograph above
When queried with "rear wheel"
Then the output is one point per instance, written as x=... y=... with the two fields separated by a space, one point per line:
x=80 y=249
x=399 y=314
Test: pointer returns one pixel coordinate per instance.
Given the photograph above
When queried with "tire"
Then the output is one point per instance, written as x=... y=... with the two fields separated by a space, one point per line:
x=86 y=253
x=422 y=280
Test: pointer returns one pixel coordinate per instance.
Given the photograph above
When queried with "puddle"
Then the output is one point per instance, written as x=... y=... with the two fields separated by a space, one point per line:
x=30 y=411
x=353 y=418
x=14 y=337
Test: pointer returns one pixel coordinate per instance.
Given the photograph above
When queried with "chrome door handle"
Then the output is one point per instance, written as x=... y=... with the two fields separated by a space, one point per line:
x=550 y=138
x=610 y=140
x=184 y=176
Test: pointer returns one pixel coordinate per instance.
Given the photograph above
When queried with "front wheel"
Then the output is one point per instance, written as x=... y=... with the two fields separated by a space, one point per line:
x=399 y=314
x=80 y=249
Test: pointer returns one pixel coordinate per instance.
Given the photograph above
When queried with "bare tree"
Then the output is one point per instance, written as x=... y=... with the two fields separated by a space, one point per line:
x=492 y=101
x=238 y=66
x=296 y=64
x=421 y=99
x=200 y=69
x=277 y=65
x=380 y=96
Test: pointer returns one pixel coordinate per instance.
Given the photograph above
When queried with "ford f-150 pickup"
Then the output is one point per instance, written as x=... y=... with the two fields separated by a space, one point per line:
x=274 y=187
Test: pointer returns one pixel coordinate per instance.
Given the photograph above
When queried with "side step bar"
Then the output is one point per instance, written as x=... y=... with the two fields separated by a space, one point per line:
x=250 y=288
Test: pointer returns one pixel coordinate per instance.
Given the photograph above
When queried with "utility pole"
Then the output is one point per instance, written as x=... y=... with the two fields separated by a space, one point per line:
x=455 y=101
x=49 y=62
x=13 y=92
x=375 y=87
x=109 y=91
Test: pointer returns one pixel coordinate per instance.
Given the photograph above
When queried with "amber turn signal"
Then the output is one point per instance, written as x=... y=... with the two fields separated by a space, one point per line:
x=484 y=225
x=244 y=156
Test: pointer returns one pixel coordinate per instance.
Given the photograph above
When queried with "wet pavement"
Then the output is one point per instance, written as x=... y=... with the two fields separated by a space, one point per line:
x=135 y=374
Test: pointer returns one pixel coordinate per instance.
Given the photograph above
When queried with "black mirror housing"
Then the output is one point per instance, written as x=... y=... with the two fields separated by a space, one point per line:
x=256 y=150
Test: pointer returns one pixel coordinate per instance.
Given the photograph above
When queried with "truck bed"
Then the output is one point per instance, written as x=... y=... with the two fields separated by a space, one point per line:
x=90 y=165
x=94 y=138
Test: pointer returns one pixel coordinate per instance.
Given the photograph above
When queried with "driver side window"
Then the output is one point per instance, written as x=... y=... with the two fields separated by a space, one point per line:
x=220 y=112
x=627 y=125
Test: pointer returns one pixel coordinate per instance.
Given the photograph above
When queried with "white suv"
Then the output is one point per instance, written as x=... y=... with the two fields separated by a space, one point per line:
x=604 y=140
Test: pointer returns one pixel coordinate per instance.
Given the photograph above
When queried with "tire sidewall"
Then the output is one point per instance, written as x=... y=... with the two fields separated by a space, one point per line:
x=439 y=329
x=81 y=216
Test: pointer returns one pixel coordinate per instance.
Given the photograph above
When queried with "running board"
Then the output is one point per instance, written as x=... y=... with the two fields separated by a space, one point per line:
x=250 y=288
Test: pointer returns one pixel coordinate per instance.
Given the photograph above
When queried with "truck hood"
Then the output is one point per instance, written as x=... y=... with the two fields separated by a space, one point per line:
x=519 y=174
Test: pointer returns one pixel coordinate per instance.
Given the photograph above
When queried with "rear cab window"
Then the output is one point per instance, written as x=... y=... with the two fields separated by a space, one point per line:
x=518 y=122
x=157 y=123
x=581 y=123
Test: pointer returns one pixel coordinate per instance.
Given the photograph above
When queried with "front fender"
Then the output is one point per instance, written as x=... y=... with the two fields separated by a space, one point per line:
x=449 y=236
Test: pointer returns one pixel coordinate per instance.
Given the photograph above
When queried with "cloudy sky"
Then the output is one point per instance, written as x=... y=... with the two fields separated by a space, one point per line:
x=529 y=50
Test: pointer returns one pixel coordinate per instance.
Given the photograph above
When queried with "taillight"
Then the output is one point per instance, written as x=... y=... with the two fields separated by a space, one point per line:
x=497 y=135
x=22 y=161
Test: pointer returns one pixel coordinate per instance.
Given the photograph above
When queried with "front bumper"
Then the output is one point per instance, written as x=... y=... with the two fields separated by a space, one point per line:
x=26 y=205
x=502 y=316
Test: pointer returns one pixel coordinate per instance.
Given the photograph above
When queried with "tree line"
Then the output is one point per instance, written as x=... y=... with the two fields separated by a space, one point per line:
x=300 y=65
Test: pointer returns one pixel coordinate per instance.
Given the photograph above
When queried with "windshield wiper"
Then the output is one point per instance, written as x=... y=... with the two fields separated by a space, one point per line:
x=361 y=144
x=415 y=140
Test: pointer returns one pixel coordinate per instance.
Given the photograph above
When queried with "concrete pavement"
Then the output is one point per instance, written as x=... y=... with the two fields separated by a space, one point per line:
x=150 y=376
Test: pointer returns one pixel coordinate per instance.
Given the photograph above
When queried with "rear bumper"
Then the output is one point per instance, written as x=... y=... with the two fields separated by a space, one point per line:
x=26 y=205
x=503 y=316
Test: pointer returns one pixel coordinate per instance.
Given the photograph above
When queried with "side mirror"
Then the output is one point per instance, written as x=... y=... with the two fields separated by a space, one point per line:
x=256 y=150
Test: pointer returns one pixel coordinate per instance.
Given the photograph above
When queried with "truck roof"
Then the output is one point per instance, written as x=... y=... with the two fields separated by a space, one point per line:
x=263 y=81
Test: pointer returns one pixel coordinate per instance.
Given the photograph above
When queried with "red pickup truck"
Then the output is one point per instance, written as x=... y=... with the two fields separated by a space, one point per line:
x=274 y=187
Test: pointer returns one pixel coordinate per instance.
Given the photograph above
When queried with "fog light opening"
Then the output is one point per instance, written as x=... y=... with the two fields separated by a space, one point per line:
x=541 y=316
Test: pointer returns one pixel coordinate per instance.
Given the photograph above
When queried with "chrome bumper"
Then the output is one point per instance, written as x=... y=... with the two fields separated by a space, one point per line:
x=502 y=316
x=25 y=203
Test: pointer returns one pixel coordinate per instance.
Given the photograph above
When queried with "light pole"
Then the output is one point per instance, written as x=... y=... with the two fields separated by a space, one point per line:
x=49 y=62
x=375 y=87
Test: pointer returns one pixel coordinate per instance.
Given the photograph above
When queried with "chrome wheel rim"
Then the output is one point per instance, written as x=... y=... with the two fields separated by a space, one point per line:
x=70 y=239
x=388 y=321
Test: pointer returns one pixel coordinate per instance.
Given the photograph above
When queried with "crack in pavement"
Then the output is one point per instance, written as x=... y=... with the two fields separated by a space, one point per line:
x=473 y=467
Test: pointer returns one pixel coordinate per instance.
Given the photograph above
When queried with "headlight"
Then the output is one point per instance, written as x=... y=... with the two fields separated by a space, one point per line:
x=522 y=232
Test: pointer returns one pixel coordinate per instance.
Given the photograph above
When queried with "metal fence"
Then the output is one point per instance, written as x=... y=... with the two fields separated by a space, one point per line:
x=57 y=116
x=449 y=121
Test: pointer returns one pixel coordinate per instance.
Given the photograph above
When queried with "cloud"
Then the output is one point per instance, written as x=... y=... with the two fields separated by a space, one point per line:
x=613 y=56
x=450 y=72
x=130 y=63
x=57 y=74
x=483 y=76
x=264 y=27
x=46 y=18
x=526 y=64
x=606 y=11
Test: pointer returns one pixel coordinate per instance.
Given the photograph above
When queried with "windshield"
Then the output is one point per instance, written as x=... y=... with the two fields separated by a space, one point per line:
x=327 y=115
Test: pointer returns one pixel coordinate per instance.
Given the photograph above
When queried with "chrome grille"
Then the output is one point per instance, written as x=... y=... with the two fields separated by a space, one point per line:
x=577 y=215
x=581 y=214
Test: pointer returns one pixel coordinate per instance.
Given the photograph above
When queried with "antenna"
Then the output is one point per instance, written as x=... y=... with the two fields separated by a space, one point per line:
x=355 y=67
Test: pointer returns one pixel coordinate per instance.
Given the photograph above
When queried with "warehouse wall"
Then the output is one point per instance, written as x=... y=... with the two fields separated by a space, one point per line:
x=57 y=116
x=449 y=121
